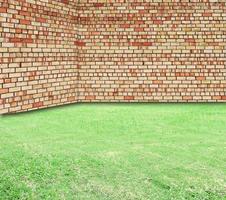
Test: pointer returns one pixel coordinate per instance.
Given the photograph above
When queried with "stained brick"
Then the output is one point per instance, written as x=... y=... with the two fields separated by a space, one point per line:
x=80 y=43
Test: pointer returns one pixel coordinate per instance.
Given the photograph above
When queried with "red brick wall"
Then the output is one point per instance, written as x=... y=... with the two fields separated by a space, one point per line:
x=38 y=54
x=165 y=51
x=63 y=51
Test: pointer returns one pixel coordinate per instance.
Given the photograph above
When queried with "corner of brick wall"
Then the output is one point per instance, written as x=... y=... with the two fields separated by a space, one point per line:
x=60 y=52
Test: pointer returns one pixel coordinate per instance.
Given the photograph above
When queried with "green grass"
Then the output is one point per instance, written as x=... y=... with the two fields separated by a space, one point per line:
x=115 y=151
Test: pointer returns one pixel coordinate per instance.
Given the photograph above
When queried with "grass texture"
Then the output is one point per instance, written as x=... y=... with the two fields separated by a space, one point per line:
x=115 y=151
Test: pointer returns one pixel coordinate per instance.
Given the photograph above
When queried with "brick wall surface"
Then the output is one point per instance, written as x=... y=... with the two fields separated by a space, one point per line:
x=63 y=51
x=38 y=54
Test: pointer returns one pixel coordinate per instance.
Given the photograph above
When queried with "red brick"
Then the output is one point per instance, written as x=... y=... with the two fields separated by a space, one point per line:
x=157 y=82
x=139 y=29
x=187 y=97
x=80 y=43
x=98 y=5
x=3 y=10
x=90 y=97
x=27 y=40
x=147 y=44
x=174 y=26
x=37 y=104
x=125 y=25
x=25 y=22
x=14 y=40
x=41 y=20
x=207 y=14
x=18 y=30
x=200 y=78
x=20 y=40
x=216 y=97
x=158 y=22
x=4 y=90
x=65 y=1
x=128 y=97
x=24 y=13
x=7 y=80
x=2 y=101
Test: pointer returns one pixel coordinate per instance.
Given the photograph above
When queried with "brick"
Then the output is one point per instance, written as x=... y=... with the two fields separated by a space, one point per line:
x=79 y=43
x=90 y=97
x=187 y=98
x=65 y=1
x=37 y=104
x=71 y=98
x=158 y=22
x=157 y=82
x=128 y=97
x=25 y=22
x=3 y=10
x=200 y=78
x=14 y=40
x=27 y=40
x=24 y=13
x=7 y=80
x=217 y=97
x=98 y=5
x=4 y=90
x=207 y=14
x=125 y=25
x=190 y=40
x=140 y=44
x=41 y=20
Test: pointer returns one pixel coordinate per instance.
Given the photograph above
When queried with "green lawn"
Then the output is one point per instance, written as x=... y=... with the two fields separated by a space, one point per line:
x=115 y=151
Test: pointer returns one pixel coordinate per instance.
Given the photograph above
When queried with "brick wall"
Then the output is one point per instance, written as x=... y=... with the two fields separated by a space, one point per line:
x=38 y=54
x=58 y=52
x=152 y=51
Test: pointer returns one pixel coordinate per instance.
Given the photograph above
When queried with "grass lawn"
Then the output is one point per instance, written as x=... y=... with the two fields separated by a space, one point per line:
x=115 y=151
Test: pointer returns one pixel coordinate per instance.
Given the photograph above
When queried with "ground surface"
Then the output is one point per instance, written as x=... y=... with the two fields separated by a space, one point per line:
x=115 y=151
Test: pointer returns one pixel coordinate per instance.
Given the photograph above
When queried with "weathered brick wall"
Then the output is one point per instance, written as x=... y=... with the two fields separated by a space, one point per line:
x=38 y=54
x=62 y=51
x=141 y=50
